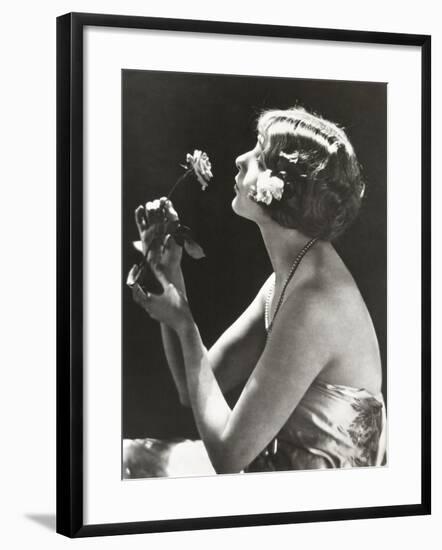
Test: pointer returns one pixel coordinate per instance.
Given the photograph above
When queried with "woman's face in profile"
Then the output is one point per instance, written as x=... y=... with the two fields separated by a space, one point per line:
x=250 y=165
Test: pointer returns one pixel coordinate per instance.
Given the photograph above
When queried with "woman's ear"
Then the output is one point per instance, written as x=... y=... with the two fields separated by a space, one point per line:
x=252 y=194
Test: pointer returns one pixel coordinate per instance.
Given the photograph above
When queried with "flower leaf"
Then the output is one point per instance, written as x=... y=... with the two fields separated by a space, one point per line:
x=193 y=249
x=184 y=230
x=181 y=233
x=171 y=226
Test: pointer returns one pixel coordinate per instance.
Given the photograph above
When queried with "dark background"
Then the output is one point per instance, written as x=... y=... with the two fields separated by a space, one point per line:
x=166 y=115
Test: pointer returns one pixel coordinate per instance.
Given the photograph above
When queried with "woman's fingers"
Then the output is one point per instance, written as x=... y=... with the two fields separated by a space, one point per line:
x=159 y=274
x=170 y=307
x=137 y=293
x=158 y=258
x=141 y=298
x=153 y=209
x=153 y=256
x=172 y=214
x=166 y=243
x=140 y=218
x=133 y=275
x=151 y=303
x=147 y=210
x=162 y=252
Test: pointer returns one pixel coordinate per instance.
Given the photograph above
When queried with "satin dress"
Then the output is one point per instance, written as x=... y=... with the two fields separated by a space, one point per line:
x=333 y=426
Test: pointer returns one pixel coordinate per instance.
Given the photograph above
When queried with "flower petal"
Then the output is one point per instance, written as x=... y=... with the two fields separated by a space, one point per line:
x=269 y=187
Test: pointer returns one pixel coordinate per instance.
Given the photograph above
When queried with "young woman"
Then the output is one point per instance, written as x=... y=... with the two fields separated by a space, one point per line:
x=306 y=345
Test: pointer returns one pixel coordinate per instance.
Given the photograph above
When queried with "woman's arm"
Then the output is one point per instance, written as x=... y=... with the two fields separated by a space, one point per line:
x=172 y=348
x=295 y=353
x=165 y=260
x=236 y=352
x=232 y=357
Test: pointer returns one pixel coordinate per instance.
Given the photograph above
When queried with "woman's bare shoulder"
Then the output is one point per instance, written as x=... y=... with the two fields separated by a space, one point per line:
x=268 y=283
x=327 y=301
x=266 y=287
x=330 y=315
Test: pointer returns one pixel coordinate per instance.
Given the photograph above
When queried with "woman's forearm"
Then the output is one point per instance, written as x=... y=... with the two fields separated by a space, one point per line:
x=172 y=348
x=174 y=356
x=210 y=409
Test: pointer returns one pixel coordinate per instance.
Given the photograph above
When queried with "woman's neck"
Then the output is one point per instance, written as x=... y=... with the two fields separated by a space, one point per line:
x=283 y=245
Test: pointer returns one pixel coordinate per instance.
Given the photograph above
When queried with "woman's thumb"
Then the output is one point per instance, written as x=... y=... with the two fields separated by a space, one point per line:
x=159 y=274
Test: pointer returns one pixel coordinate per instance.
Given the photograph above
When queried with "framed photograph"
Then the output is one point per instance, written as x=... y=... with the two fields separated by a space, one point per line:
x=243 y=274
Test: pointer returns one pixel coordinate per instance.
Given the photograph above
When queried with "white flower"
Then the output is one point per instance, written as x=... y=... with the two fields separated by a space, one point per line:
x=291 y=157
x=200 y=163
x=268 y=187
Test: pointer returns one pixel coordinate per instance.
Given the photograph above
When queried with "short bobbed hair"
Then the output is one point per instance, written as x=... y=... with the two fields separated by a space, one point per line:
x=323 y=183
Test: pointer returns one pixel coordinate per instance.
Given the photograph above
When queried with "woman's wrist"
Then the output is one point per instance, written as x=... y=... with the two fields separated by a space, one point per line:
x=186 y=326
x=174 y=275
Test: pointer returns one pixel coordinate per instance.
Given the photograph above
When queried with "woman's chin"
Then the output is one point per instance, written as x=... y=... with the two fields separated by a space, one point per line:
x=235 y=206
x=242 y=210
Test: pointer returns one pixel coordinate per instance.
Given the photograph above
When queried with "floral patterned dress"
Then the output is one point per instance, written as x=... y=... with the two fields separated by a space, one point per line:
x=333 y=426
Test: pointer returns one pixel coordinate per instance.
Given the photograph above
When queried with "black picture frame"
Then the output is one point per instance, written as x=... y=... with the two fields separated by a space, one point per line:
x=70 y=240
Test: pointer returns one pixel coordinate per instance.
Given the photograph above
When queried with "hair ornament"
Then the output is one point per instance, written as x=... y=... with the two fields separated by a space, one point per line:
x=292 y=158
x=337 y=147
x=268 y=187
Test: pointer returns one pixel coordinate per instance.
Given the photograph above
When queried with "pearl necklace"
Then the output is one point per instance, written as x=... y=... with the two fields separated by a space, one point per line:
x=294 y=267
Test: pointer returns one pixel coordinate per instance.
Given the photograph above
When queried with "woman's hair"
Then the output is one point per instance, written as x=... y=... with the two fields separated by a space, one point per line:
x=323 y=184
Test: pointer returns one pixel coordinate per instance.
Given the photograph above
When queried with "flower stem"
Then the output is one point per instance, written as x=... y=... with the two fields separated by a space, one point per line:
x=179 y=180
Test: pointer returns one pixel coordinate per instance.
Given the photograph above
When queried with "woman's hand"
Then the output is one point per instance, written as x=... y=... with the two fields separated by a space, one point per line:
x=170 y=307
x=166 y=258
x=163 y=253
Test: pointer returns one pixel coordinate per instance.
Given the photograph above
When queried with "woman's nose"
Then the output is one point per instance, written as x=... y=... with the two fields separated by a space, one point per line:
x=239 y=161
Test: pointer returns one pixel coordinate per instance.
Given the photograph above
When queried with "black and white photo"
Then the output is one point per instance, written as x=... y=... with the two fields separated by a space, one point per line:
x=254 y=252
